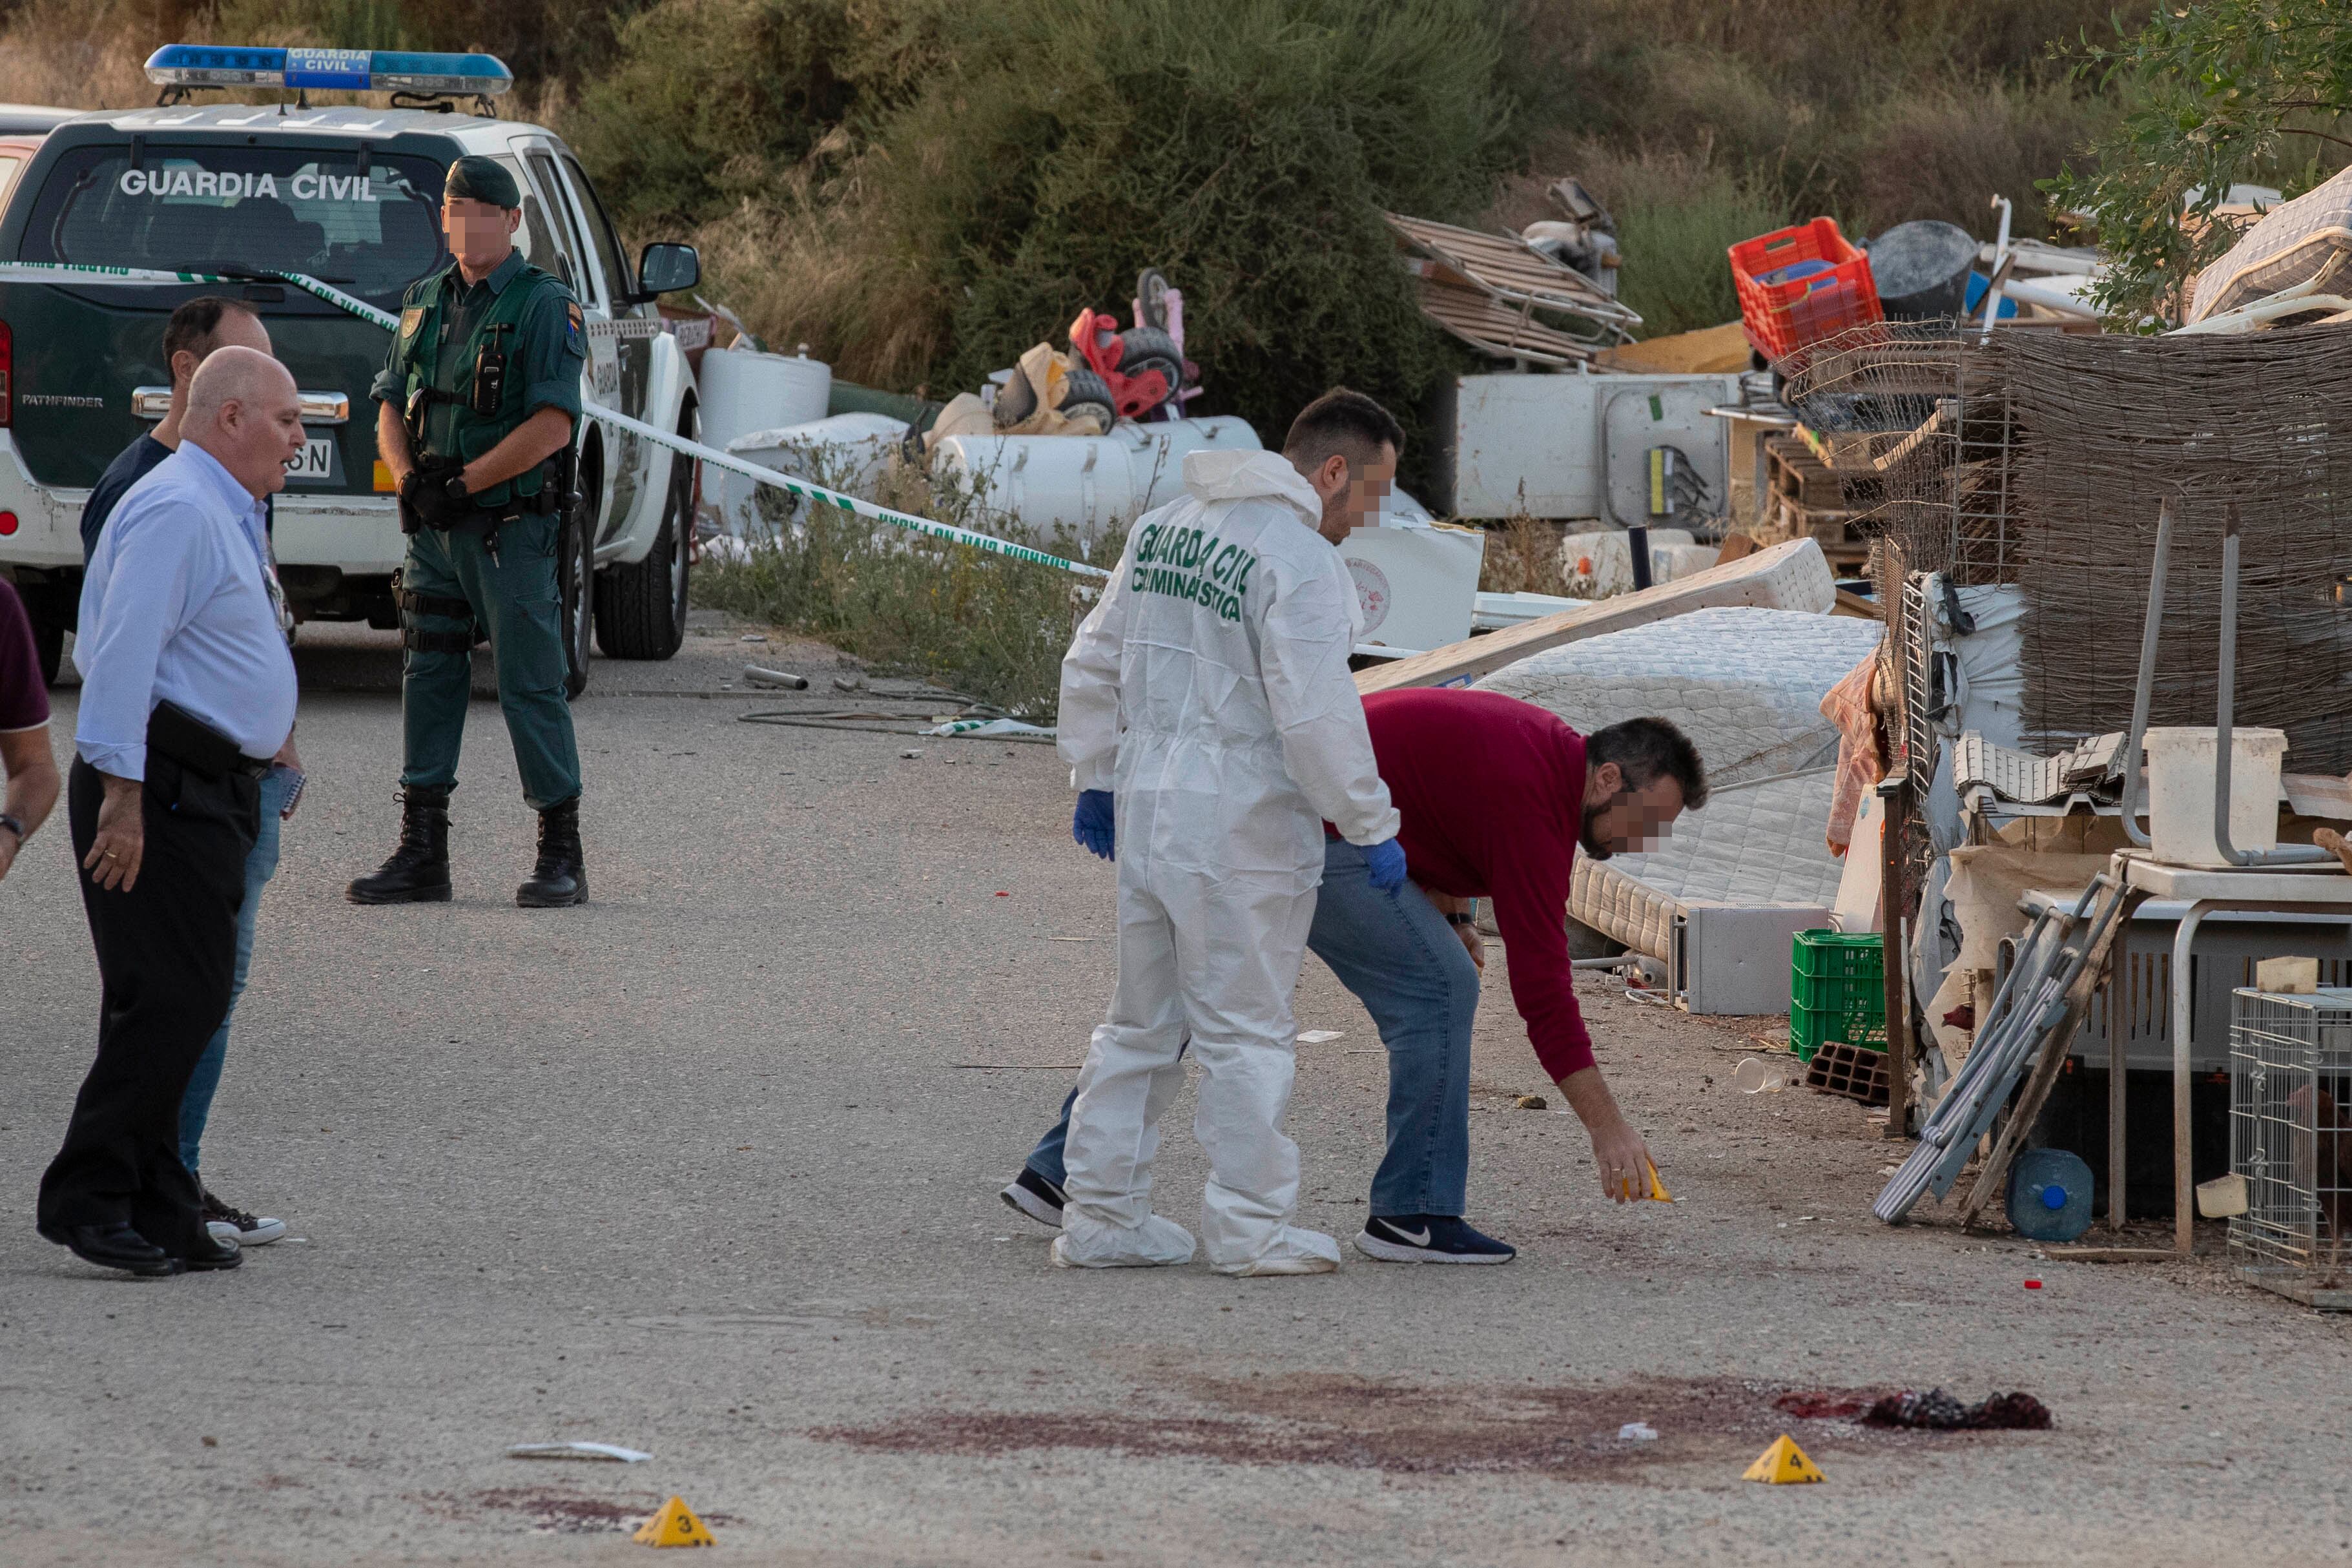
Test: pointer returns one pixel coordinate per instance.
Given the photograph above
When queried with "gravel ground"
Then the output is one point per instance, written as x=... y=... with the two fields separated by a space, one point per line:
x=708 y=1168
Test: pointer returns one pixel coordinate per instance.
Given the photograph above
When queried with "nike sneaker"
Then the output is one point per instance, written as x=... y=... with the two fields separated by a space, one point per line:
x=1429 y=1238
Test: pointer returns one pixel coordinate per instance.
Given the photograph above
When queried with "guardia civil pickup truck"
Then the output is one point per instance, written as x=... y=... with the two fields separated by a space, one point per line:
x=349 y=197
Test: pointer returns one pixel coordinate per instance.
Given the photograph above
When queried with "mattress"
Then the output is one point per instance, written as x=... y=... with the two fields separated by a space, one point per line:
x=1758 y=843
x=1746 y=685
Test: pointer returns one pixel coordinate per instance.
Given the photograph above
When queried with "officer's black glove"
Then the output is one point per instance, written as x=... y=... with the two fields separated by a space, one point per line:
x=434 y=492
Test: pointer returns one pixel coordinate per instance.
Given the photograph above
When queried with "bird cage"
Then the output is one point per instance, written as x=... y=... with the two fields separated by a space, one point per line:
x=2291 y=1140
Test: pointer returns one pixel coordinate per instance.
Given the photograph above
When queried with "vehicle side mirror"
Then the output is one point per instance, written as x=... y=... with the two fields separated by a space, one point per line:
x=664 y=269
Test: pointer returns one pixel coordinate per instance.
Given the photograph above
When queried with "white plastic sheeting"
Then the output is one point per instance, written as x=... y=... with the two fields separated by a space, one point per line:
x=844 y=452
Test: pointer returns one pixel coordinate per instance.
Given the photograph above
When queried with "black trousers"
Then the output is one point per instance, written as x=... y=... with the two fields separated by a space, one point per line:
x=166 y=955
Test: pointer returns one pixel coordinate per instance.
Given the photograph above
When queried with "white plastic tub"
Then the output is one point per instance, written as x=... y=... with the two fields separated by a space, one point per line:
x=2181 y=792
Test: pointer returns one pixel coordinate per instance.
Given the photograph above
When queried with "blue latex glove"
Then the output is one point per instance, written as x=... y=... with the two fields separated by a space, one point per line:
x=1093 y=825
x=1385 y=862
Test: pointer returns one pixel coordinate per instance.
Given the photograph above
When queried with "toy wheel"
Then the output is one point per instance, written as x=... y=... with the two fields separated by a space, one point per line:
x=1146 y=348
x=1083 y=389
x=1151 y=299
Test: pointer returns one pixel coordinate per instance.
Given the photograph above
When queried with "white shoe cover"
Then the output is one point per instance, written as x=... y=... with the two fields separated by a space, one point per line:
x=1088 y=1243
x=1293 y=1251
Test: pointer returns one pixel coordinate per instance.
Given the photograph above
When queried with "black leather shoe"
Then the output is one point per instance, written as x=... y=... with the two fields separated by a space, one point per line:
x=114 y=1246
x=559 y=878
x=418 y=870
x=216 y=1252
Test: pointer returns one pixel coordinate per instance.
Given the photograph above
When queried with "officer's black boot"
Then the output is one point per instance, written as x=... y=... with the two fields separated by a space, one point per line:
x=418 y=872
x=559 y=878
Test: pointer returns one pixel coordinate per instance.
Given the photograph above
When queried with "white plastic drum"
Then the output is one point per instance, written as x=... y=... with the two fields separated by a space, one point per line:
x=742 y=391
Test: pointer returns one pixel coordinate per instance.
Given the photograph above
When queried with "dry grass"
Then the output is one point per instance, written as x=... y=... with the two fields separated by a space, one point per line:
x=980 y=623
x=1523 y=557
x=85 y=55
x=796 y=268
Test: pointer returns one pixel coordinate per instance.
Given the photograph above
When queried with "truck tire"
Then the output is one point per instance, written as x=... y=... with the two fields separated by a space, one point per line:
x=576 y=570
x=641 y=609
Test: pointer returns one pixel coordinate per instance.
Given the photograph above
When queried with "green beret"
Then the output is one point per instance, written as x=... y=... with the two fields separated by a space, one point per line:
x=478 y=179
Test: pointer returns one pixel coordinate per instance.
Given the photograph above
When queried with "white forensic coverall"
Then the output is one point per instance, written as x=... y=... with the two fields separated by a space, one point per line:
x=1209 y=691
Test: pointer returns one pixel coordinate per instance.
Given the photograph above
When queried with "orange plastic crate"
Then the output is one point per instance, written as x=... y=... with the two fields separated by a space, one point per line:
x=1782 y=317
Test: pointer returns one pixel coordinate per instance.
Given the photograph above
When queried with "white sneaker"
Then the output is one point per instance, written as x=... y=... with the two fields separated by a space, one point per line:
x=1088 y=1243
x=235 y=1224
x=1292 y=1251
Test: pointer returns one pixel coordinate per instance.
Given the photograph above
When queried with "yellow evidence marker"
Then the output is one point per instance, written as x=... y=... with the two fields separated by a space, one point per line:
x=675 y=1525
x=1784 y=1464
x=1657 y=1192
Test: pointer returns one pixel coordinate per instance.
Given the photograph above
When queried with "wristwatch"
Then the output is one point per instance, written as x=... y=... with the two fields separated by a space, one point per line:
x=454 y=489
x=1460 y=918
x=16 y=827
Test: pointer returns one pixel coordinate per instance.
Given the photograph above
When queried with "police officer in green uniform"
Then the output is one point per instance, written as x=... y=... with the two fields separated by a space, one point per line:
x=474 y=414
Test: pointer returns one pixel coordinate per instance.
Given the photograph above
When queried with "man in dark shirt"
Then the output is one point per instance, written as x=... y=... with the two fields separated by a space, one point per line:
x=1498 y=796
x=194 y=330
x=26 y=764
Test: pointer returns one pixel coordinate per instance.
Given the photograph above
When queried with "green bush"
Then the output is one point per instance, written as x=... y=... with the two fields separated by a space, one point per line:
x=1675 y=219
x=999 y=167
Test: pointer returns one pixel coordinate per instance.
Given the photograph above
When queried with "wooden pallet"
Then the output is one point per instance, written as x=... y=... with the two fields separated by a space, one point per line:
x=1797 y=474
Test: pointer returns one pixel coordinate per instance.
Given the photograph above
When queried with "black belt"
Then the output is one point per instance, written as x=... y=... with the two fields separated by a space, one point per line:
x=197 y=746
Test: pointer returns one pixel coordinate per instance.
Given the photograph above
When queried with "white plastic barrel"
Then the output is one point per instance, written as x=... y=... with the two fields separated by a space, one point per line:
x=743 y=390
x=2181 y=792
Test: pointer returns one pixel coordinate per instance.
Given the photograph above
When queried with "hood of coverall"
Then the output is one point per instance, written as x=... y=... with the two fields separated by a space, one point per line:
x=1262 y=475
x=1251 y=476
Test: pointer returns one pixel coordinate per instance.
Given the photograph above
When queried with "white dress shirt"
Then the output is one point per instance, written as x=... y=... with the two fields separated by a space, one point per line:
x=177 y=604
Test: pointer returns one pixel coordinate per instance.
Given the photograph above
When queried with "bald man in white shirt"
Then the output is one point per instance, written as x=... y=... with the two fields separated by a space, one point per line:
x=187 y=692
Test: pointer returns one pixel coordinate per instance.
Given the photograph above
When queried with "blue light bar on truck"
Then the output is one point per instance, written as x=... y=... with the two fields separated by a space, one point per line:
x=342 y=71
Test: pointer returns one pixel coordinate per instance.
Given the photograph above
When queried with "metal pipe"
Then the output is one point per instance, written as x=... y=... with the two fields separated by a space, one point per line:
x=2143 y=689
x=2184 y=939
x=2225 y=703
x=2001 y=263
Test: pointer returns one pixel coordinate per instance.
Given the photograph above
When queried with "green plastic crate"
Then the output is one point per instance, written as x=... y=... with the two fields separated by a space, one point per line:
x=1837 y=991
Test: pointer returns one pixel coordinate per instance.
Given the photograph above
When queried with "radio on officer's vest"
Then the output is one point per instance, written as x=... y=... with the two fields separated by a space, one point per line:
x=489 y=373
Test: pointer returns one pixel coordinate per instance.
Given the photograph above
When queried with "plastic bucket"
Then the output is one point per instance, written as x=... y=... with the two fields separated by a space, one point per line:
x=1922 y=269
x=2181 y=792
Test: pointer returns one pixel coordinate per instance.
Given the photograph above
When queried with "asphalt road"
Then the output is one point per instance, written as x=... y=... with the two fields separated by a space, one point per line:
x=708 y=1168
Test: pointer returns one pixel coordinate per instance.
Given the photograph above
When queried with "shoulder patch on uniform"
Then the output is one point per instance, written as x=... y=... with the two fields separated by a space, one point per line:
x=575 y=331
x=409 y=319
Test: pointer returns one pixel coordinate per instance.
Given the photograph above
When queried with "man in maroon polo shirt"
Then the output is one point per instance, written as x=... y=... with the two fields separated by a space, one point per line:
x=26 y=765
x=1498 y=796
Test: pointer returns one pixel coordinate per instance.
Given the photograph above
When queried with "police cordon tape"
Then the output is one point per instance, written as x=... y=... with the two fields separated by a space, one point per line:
x=69 y=272
x=713 y=457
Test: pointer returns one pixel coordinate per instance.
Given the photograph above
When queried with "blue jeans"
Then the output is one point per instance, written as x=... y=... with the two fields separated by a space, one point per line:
x=261 y=865
x=1403 y=962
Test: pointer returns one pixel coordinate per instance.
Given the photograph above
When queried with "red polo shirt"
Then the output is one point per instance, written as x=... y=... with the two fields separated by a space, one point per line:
x=1492 y=793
